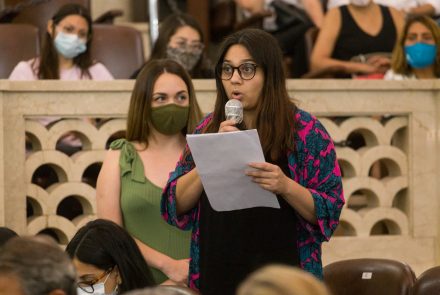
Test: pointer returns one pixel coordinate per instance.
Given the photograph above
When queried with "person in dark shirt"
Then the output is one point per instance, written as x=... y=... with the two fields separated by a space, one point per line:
x=360 y=28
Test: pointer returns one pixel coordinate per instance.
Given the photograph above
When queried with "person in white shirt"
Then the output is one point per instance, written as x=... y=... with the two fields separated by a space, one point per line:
x=65 y=54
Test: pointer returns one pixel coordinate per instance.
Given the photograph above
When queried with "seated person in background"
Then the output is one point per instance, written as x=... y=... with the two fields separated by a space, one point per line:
x=360 y=28
x=281 y=280
x=313 y=9
x=32 y=267
x=181 y=39
x=107 y=260
x=414 y=7
x=409 y=7
x=287 y=21
x=65 y=53
x=163 y=109
x=416 y=54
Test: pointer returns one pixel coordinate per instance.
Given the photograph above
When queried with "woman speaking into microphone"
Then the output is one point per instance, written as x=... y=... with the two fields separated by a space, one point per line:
x=301 y=169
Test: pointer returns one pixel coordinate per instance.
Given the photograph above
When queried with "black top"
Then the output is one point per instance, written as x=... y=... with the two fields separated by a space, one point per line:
x=352 y=40
x=235 y=243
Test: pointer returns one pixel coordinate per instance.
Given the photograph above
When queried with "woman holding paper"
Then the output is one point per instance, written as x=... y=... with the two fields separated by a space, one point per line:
x=162 y=110
x=301 y=168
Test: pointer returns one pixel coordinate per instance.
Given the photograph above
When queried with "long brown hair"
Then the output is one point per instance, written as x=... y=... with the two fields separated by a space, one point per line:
x=167 y=29
x=48 y=67
x=398 y=60
x=139 y=113
x=275 y=111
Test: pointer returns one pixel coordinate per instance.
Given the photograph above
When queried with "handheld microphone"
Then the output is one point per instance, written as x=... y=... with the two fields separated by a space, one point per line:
x=234 y=110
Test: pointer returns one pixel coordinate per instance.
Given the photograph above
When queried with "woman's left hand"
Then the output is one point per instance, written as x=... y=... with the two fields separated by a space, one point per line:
x=270 y=177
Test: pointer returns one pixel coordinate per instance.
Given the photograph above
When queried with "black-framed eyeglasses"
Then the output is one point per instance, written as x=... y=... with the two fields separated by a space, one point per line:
x=87 y=286
x=245 y=70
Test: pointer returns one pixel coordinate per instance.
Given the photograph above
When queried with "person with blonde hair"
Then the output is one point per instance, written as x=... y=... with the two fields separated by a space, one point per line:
x=281 y=280
x=416 y=54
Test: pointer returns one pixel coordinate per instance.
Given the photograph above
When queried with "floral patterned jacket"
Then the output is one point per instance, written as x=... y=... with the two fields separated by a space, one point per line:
x=313 y=165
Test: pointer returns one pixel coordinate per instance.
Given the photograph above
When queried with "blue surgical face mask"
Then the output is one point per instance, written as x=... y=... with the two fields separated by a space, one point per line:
x=69 y=45
x=421 y=55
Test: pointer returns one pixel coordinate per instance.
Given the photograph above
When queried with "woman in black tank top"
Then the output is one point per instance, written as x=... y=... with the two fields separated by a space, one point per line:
x=356 y=30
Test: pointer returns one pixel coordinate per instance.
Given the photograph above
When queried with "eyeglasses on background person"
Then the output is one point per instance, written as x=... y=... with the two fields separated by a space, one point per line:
x=90 y=286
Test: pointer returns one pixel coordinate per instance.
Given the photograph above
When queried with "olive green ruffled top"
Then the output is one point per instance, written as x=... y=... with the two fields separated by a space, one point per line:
x=140 y=207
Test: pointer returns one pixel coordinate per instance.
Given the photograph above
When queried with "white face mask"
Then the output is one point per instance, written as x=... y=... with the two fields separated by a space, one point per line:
x=360 y=2
x=69 y=45
x=98 y=289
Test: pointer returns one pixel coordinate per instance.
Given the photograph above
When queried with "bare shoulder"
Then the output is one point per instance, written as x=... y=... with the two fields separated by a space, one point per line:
x=111 y=157
x=332 y=21
x=398 y=18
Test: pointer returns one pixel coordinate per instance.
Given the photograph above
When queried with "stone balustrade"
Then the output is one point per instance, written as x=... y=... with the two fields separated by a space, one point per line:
x=386 y=134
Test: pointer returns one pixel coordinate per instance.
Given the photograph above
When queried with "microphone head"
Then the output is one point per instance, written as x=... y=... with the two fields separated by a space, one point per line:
x=234 y=110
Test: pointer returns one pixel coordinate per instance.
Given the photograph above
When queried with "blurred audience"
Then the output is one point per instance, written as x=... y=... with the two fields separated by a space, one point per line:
x=29 y=266
x=181 y=39
x=287 y=21
x=65 y=53
x=163 y=109
x=6 y=234
x=281 y=280
x=416 y=54
x=356 y=40
x=107 y=260
x=312 y=8
x=408 y=7
x=414 y=7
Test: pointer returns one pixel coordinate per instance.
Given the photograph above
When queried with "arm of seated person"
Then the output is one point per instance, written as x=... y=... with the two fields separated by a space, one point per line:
x=424 y=9
x=315 y=11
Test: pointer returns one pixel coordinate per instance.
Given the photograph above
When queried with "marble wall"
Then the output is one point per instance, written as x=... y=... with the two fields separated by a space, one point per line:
x=386 y=135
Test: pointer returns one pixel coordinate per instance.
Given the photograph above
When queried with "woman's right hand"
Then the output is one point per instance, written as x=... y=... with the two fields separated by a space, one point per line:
x=177 y=270
x=365 y=68
x=228 y=126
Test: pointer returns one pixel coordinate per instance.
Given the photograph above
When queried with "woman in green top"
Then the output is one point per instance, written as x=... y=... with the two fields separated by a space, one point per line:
x=163 y=109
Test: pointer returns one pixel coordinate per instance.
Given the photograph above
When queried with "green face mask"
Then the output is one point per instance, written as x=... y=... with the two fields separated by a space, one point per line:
x=169 y=119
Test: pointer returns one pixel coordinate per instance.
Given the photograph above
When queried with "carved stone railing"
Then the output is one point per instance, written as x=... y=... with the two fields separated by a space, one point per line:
x=386 y=134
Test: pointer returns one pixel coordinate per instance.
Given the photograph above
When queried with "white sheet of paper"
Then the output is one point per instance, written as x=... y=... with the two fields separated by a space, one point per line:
x=221 y=160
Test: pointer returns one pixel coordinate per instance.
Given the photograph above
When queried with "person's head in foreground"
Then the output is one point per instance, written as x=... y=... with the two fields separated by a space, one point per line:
x=107 y=259
x=281 y=280
x=31 y=266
